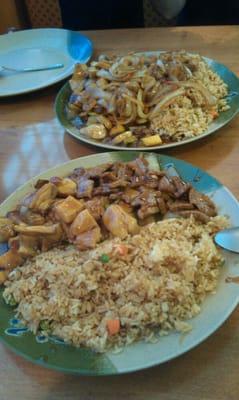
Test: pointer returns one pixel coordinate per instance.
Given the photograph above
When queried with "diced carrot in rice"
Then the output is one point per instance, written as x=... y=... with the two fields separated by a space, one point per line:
x=113 y=326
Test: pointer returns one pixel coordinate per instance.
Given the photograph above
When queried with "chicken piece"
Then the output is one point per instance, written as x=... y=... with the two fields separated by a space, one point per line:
x=42 y=199
x=28 y=245
x=84 y=187
x=88 y=240
x=10 y=260
x=6 y=229
x=202 y=202
x=84 y=222
x=36 y=230
x=97 y=206
x=68 y=209
x=65 y=186
x=118 y=222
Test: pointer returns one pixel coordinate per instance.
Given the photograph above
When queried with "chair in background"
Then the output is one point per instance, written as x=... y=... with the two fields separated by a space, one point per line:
x=44 y=13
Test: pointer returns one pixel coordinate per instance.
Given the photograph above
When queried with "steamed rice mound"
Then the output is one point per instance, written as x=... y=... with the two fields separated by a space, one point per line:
x=160 y=284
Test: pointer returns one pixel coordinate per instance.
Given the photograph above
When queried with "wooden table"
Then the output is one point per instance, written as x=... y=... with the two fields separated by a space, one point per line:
x=31 y=141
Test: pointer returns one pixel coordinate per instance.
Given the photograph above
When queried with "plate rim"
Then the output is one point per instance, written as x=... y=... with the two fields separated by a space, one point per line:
x=59 y=112
x=195 y=342
x=56 y=80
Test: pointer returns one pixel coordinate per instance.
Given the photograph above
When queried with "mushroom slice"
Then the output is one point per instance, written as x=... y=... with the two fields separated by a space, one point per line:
x=40 y=183
x=6 y=229
x=118 y=222
x=15 y=217
x=50 y=241
x=65 y=186
x=28 y=245
x=30 y=217
x=68 y=209
x=42 y=199
x=36 y=230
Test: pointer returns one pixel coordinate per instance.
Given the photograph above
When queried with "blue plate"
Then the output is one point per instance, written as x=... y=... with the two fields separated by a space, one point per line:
x=53 y=353
x=38 y=48
x=224 y=118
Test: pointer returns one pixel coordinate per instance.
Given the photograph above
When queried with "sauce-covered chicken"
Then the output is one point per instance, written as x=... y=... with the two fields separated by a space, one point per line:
x=92 y=204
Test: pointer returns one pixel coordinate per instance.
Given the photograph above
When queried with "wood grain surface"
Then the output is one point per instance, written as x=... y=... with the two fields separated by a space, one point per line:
x=31 y=141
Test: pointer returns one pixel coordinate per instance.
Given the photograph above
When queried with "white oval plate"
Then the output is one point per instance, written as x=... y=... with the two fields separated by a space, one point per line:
x=38 y=48
x=215 y=309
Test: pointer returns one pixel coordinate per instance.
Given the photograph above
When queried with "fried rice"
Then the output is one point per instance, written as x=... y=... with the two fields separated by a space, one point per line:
x=186 y=118
x=155 y=288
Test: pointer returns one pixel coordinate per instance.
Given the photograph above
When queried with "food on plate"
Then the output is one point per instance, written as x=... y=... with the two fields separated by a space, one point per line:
x=140 y=287
x=95 y=260
x=145 y=100
x=92 y=204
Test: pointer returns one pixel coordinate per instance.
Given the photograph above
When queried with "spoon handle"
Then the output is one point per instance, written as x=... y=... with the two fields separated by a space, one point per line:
x=54 y=66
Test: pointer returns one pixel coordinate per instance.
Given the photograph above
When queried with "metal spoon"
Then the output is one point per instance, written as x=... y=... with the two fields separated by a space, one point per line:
x=53 y=66
x=228 y=239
